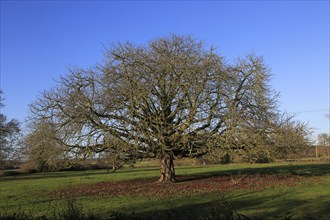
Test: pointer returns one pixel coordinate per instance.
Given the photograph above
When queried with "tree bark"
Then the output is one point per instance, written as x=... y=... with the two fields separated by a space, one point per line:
x=167 y=172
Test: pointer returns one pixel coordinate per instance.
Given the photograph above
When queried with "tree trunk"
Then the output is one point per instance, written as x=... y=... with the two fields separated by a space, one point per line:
x=167 y=172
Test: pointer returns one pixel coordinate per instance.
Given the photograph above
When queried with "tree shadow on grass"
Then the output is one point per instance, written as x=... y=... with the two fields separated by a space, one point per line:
x=256 y=207
x=299 y=169
x=73 y=173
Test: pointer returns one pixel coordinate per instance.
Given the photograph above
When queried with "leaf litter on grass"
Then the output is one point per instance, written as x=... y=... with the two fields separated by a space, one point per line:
x=187 y=185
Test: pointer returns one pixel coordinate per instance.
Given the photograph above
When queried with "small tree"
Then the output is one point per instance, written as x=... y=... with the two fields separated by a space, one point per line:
x=323 y=139
x=278 y=137
x=290 y=138
x=116 y=153
x=43 y=149
x=9 y=137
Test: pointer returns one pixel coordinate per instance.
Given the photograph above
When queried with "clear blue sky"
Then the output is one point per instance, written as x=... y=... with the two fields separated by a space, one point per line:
x=39 y=39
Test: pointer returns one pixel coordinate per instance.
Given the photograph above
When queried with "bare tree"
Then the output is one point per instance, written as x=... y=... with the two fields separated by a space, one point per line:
x=171 y=98
x=44 y=150
x=324 y=139
x=9 y=131
x=290 y=137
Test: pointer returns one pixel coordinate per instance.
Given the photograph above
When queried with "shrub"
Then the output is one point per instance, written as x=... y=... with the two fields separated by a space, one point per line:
x=226 y=159
x=28 y=167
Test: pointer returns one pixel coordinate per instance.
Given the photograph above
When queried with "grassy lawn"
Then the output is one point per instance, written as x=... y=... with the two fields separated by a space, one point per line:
x=267 y=191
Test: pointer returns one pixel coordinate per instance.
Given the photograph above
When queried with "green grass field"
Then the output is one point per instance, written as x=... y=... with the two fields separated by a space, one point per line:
x=266 y=191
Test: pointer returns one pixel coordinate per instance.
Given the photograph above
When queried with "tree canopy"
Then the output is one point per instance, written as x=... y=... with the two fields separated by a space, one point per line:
x=172 y=97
